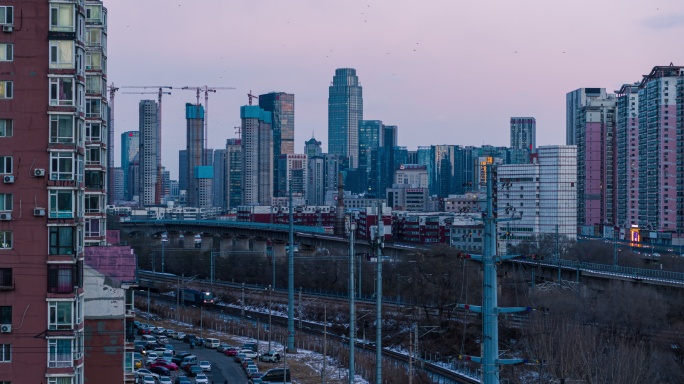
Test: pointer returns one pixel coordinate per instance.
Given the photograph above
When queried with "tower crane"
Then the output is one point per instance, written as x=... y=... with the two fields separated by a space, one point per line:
x=160 y=92
x=110 y=145
x=206 y=89
x=250 y=96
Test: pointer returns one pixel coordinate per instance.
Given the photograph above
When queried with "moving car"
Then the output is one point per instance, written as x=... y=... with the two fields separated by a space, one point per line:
x=222 y=347
x=205 y=365
x=165 y=380
x=179 y=336
x=211 y=342
x=201 y=379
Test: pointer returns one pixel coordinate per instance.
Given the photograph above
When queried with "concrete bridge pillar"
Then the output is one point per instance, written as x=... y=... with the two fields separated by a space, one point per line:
x=241 y=244
x=189 y=241
x=259 y=245
x=207 y=243
x=225 y=244
x=279 y=250
x=181 y=241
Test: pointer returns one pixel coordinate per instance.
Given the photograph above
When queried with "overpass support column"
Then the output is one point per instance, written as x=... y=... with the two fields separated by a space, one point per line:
x=241 y=244
x=259 y=245
x=225 y=245
x=279 y=250
x=207 y=243
x=189 y=241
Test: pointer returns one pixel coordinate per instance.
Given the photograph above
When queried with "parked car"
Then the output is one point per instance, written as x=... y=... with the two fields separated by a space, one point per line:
x=182 y=380
x=193 y=370
x=270 y=356
x=245 y=362
x=179 y=336
x=205 y=365
x=161 y=371
x=143 y=372
x=251 y=346
x=166 y=364
x=161 y=339
x=249 y=353
x=211 y=342
x=178 y=358
x=238 y=357
x=251 y=370
x=165 y=380
x=170 y=333
x=230 y=351
x=201 y=379
x=277 y=375
x=151 y=356
x=147 y=379
x=158 y=330
x=222 y=347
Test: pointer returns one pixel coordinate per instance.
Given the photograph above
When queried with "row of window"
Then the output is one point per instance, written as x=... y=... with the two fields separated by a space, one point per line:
x=64 y=129
x=63 y=240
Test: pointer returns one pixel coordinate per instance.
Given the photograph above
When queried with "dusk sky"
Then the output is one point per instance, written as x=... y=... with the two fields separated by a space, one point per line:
x=444 y=72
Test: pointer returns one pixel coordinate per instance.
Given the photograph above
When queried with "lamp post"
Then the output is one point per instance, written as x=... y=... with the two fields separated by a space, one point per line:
x=164 y=240
x=270 y=331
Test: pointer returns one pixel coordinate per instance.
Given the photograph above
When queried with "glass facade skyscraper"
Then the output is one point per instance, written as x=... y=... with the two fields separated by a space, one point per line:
x=345 y=110
x=281 y=105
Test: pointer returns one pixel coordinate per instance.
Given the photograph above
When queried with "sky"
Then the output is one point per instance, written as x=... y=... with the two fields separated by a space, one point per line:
x=443 y=71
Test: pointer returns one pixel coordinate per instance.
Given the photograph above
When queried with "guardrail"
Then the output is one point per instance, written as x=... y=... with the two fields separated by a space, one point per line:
x=228 y=224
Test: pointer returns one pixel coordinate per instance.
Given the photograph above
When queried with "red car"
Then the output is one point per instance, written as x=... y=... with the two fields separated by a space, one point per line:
x=230 y=352
x=163 y=363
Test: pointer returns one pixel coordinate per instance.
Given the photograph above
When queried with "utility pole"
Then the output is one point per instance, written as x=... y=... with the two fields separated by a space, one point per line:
x=242 y=301
x=325 y=341
x=410 y=357
x=164 y=240
x=557 y=247
x=489 y=309
x=270 y=311
x=290 y=282
x=352 y=309
x=299 y=309
x=378 y=241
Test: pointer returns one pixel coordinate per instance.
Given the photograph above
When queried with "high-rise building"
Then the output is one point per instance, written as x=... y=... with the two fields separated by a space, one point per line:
x=312 y=148
x=542 y=194
x=281 y=105
x=44 y=161
x=390 y=136
x=183 y=170
x=573 y=102
x=257 y=151
x=293 y=169
x=233 y=174
x=219 y=164
x=370 y=137
x=130 y=145
x=524 y=133
x=315 y=189
x=194 y=145
x=149 y=151
x=166 y=187
x=627 y=139
x=118 y=184
x=595 y=137
x=345 y=110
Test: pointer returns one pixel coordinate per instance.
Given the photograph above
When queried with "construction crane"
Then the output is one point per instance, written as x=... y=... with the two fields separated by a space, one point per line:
x=250 y=96
x=110 y=145
x=206 y=89
x=160 y=92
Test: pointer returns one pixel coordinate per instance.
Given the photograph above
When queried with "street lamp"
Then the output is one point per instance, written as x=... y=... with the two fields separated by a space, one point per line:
x=164 y=240
x=270 y=331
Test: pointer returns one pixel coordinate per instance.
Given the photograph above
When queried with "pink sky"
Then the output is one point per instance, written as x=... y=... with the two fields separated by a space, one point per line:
x=445 y=72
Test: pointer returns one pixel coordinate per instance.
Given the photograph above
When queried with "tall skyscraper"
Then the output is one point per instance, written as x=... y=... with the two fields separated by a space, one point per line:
x=345 y=110
x=315 y=189
x=219 y=164
x=148 y=153
x=573 y=102
x=183 y=169
x=233 y=177
x=130 y=145
x=118 y=185
x=257 y=150
x=312 y=147
x=281 y=105
x=524 y=133
x=627 y=139
x=194 y=145
x=370 y=137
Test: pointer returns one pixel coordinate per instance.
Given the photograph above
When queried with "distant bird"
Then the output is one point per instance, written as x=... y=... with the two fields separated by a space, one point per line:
x=516 y=51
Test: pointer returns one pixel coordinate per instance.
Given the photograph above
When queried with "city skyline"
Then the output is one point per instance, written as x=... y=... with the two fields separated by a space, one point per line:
x=462 y=80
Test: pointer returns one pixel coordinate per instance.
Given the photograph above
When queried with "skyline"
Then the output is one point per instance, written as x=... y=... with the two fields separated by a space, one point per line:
x=441 y=79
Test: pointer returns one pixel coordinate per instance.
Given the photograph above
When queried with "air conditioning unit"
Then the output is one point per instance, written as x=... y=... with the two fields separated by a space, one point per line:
x=6 y=328
x=39 y=172
x=38 y=211
x=8 y=179
x=5 y=216
x=7 y=28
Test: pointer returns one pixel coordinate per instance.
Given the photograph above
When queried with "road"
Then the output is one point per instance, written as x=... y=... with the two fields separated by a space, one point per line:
x=222 y=367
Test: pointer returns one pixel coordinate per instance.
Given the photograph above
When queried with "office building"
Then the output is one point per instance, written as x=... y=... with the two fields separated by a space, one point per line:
x=183 y=169
x=281 y=105
x=524 y=133
x=233 y=174
x=573 y=102
x=257 y=151
x=149 y=153
x=219 y=164
x=542 y=194
x=312 y=147
x=315 y=188
x=370 y=137
x=194 y=146
x=345 y=110
x=293 y=174
x=118 y=185
x=130 y=145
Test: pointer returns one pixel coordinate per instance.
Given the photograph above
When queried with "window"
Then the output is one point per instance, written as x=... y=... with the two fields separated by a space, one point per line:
x=62 y=91
x=60 y=354
x=5 y=240
x=61 y=166
x=6 y=129
x=94 y=13
x=62 y=17
x=93 y=132
x=5 y=353
x=94 y=37
x=60 y=278
x=6 y=15
x=6 y=279
x=78 y=345
x=93 y=108
x=94 y=60
x=62 y=129
x=93 y=156
x=5 y=201
x=92 y=204
x=61 y=204
x=62 y=54
x=92 y=228
x=60 y=315
x=79 y=310
x=6 y=89
x=5 y=164
x=94 y=85
x=6 y=52
x=6 y=314
x=94 y=179
x=59 y=380
x=62 y=241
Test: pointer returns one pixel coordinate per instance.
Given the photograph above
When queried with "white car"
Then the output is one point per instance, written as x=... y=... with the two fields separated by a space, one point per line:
x=201 y=379
x=205 y=365
x=140 y=373
x=249 y=353
x=147 y=379
x=162 y=340
x=165 y=380
x=179 y=336
x=170 y=333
